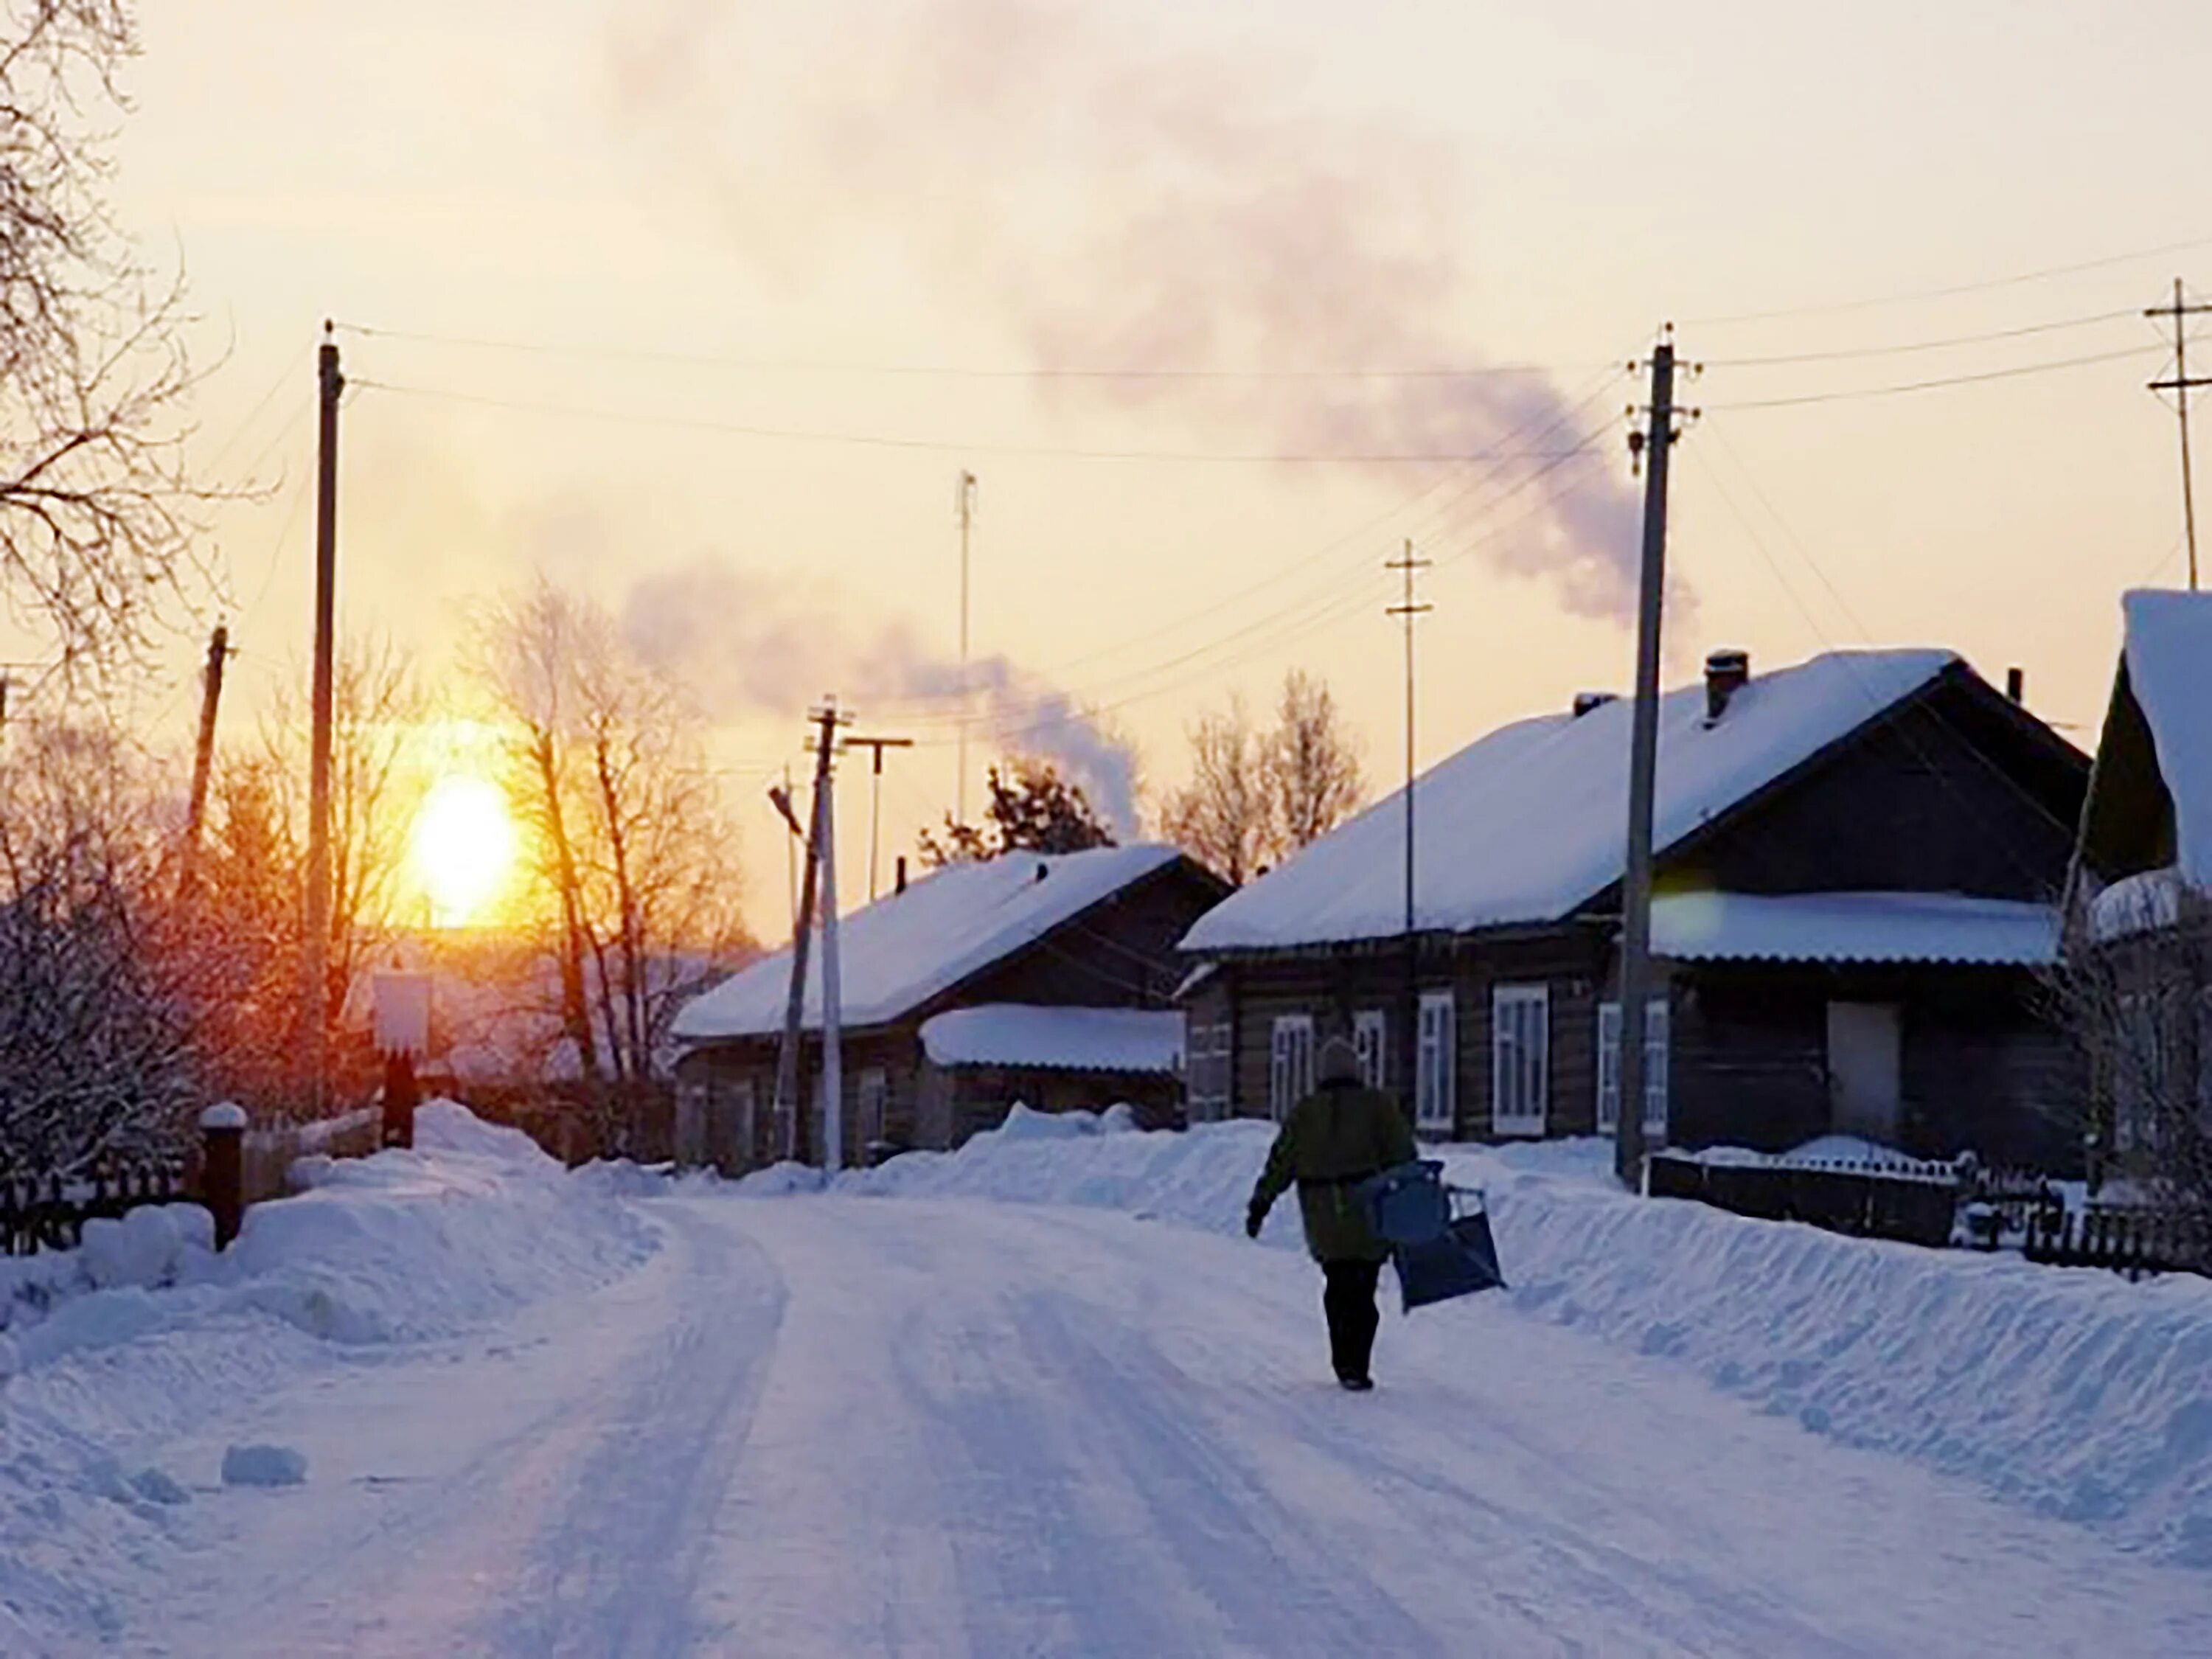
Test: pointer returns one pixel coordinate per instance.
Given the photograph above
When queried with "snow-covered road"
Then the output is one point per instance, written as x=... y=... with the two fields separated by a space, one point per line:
x=854 y=1426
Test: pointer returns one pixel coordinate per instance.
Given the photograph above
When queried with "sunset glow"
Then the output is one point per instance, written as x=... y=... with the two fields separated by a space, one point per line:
x=462 y=847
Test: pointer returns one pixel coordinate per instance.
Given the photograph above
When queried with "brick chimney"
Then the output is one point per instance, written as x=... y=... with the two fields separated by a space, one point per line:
x=1587 y=701
x=1727 y=672
x=2016 y=684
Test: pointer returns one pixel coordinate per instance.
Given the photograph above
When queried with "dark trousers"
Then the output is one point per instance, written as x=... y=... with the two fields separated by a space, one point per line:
x=1348 y=1299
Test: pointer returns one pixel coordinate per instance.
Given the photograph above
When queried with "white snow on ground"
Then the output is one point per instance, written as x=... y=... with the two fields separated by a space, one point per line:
x=941 y=1423
x=2073 y=1393
x=134 y=1338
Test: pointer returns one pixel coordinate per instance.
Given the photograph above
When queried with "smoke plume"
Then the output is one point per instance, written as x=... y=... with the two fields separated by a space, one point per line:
x=747 y=646
x=1134 y=209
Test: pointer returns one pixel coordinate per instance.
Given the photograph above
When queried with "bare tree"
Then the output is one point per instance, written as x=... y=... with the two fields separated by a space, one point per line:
x=1256 y=796
x=2137 y=1003
x=1226 y=815
x=1312 y=761
x=93 y=501
x=633 y=852
x=97 y=1054
x=377 y=710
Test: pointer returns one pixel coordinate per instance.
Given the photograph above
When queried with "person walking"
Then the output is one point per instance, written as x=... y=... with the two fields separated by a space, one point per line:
x=1332 y=1140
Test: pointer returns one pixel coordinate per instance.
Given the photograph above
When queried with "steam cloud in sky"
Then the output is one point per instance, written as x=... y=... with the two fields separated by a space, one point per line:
x=746 y=645
x=1132 y=208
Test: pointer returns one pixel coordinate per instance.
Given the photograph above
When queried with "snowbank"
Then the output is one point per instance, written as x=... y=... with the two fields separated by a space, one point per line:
x=141 y=1334
x=2070 y=1392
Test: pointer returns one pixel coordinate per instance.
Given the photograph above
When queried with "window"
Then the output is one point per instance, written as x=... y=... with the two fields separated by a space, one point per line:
x=1655 y=1067
x=1206 y=1070
x=1435 y=1098
x=1368 y=1034
x=1520 y=1058
x=1290 y=1063
x=744 y=1150
x=875 y=1096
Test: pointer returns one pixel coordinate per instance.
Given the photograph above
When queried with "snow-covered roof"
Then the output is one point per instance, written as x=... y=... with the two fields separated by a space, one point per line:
x=1065 y=1039
x=2169 y=663
x=1530 y=822
x=1945 y=927
x=902 y=950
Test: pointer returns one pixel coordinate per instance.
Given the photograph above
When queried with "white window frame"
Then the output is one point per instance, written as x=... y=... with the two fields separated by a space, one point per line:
x=1656 y=1043
x=1436 y=1064
x=873 y=1106
x=1520 y=1059
x=1289 y=1062
x=1371 y=1040
x=1207 y=1064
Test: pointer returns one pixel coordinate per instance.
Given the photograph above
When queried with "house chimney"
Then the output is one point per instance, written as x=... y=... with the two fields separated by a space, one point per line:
x=1726 y=674
x=898 y=878
x=1586 y=701
x=2016 y=684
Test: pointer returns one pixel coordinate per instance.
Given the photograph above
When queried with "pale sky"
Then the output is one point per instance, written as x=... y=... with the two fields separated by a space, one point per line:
x=811 y=196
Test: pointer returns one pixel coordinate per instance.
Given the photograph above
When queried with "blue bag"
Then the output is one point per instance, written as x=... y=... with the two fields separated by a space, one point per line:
x=1440 y=1252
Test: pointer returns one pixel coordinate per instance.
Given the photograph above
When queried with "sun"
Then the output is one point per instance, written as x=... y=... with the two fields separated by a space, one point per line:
x=462 y=847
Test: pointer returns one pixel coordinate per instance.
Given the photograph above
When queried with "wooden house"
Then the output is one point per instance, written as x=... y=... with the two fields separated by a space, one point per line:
x=1043 y=978
x=1858 y=859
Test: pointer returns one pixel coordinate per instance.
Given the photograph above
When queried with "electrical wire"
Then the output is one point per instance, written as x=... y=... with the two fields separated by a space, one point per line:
x=1951 y=290
x=945 y=446
x=1845 y=352
x=1898 y=388
x=953 y=371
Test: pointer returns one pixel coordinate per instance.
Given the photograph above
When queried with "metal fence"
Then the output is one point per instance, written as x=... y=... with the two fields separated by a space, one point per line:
x=49 y=1214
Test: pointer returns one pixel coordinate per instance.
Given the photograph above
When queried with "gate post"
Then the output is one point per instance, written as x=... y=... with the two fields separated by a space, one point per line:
x=222 y=1173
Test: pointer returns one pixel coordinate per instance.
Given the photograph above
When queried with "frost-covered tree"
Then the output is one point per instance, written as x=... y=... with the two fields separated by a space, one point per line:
x=98 y=994
x=1256 y=796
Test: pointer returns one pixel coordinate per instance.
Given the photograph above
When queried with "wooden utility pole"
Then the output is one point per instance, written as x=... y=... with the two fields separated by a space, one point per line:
x=204 y=751
x=833 y=1044
x=876 y=796
x=1408 y=613
x=2180 y=384
x=314 y=991
x=965 y=504
x=1642 y=766
x=798 y=1144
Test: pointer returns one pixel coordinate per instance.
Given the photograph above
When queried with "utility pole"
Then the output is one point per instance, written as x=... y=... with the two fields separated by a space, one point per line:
x=1652 y=450
x=798 y=1144
x=1408 y=613
x=330 y=385
x=832 y=1043
x=2181 y=385
x=204 y=751
x=876 y=796
x=965 y=504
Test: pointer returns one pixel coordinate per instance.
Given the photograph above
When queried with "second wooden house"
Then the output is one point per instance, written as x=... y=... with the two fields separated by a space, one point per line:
x=1858 y=861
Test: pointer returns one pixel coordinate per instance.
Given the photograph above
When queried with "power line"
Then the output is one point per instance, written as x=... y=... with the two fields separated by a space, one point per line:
x=963 y=371
x=1951 y=290
x=1843 y=353
x=949 y=445
x=1898 y=388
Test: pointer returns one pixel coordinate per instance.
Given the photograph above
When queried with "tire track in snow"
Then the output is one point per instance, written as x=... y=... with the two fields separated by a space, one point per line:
x=614 y=1574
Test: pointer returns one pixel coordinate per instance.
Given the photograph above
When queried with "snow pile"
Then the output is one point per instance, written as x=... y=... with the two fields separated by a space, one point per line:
x=108 y=1351
x=2070 y=1392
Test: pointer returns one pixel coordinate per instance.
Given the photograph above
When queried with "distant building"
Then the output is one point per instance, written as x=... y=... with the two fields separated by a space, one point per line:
x=2139 y=940
x=1859 y=861
x=1046 y=979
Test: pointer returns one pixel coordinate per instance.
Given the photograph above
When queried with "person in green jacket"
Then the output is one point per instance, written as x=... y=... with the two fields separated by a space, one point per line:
x=1332 y=1140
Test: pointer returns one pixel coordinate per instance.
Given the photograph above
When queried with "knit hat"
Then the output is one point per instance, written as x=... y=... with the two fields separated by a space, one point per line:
x=1339 y=1061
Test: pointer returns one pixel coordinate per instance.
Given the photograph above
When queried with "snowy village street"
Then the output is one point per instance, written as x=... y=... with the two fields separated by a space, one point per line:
x=838 y=1426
